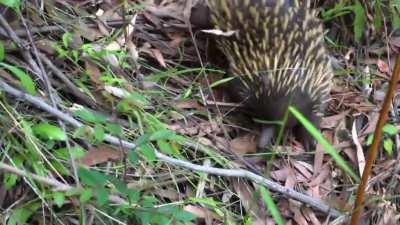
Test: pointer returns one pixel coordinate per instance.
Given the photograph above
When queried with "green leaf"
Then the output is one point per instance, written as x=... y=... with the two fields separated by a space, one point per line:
x=120 y=186
x=92 y=178
x=114 y=129
x=359 y=21
x=394 y=9
x=76 y=152
x=162 y=135
x=142 y=139
x=388 y=146
x=101 y=195
x=149 y=201
x=390 y=129
x=2 y=52
x=325 y=144
x=148 y=152
x=133 y=157
x=370 y=138
x=99 y=133
x=48 y=131
x=222 y=81
x=86 y=195
x=184 y=216
x=21 y=215
x=26 y=81
x=59 y=198
x=9 y=180
x=378 y=20
x=66 y=38
x=133 y=195
x=143 y=216
x=89 y=116
x=271 y=206
x=14 y=4
x=166 y=147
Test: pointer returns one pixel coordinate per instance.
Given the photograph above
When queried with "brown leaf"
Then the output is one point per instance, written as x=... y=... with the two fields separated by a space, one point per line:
x=189 y=104
x=201 y=212
x=281 y=174
x=89 y=33
x=360 y=152
x=46 y=45
x=332 y=121
x=310 y=214
x=94 y=73
x=253 y=206
x=159 y=57
x=101 y=154
x=318 y=159
x=244 y=144
x=304 y=169
x=298 y=216
x=383 y=66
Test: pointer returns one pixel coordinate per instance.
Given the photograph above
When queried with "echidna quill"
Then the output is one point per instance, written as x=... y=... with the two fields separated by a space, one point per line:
x=277 y=57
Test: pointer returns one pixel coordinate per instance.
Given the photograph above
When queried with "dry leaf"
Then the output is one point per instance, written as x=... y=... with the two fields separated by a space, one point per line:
x=383 y=66
x=360 y=152
x=220 y=32
x=159 y=57
x=254 y=207
x=189 y=104
x=201 y=212
x=116 y=91
x=94 y=73
x=281 y=174
x=244 y=144
x=101 y=154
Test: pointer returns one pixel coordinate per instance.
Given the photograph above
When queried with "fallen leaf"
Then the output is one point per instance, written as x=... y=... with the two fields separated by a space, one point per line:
x=189 y=104
x=253 y=206
x=159 y=57
x=94 y=73
x=101 y=154
x=220 y=32
x=244 y=144
x=360 y=152
x=383 y=66
x=201 y=212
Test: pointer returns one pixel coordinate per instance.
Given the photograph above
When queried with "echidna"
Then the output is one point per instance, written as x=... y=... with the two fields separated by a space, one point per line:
x=278 y=58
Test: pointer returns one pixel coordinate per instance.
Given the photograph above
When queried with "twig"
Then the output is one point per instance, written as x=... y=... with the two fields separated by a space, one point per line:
x=313 y=202
x=60 y=75
x=58 y=186
x=44 y=180
x=21 y=45
x=57 y=28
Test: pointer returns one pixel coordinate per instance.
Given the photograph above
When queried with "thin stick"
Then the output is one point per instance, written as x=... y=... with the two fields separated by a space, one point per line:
x=373 y=150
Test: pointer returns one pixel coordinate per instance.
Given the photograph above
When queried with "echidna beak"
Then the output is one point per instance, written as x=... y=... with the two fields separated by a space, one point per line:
x=266 y=135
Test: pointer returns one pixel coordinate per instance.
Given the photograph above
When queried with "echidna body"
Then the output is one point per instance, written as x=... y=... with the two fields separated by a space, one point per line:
x=278 y=57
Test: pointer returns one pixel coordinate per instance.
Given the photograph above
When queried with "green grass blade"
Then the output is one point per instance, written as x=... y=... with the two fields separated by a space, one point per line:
x=271 y=206
x=325 y=144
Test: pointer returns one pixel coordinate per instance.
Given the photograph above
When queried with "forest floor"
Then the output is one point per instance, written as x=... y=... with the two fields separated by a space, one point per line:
x=116 y=113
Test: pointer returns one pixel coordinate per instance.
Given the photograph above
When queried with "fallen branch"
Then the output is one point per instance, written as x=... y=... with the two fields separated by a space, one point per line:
x=273 y=186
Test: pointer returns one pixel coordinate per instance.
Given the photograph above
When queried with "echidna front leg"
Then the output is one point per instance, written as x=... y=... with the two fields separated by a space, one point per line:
x=266 y=136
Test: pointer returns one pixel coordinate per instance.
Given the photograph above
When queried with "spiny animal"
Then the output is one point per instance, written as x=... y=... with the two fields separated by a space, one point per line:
x=277 y=57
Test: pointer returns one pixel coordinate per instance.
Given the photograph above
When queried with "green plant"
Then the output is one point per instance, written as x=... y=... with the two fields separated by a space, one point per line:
x=389 y=131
